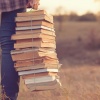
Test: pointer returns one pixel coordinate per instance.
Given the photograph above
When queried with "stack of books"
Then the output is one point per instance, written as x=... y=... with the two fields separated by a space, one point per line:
x=35 y=50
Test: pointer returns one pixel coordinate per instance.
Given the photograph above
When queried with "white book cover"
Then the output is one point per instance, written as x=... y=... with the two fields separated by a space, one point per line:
x=31 y=50
x=37 y=66
x=37 y=71
x=34 y=27
x=40 y=79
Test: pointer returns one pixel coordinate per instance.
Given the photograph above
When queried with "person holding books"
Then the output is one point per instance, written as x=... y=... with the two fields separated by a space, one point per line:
x=8 y=12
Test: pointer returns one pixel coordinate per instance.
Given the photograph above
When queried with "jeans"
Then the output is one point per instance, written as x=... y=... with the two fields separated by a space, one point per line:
x=9 y=76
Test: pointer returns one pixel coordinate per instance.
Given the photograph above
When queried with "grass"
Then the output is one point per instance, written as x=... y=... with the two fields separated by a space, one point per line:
x=78 y=51
x=79 y=42
x=82 y=82
x=79 y=83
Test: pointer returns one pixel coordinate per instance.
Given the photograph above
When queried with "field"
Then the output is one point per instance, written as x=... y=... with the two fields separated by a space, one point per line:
x=78 y=45
x=78 y=49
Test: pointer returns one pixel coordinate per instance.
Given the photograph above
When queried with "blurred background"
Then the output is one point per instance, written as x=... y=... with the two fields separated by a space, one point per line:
x=77 y=29
x=77 y=26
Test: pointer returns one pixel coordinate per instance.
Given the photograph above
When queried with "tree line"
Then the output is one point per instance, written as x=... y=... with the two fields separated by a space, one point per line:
x=75 y=17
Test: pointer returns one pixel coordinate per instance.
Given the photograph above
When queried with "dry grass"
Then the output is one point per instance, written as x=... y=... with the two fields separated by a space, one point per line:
x=82 y=82
x=79 y=83
x=73 y=30
x=78 y=50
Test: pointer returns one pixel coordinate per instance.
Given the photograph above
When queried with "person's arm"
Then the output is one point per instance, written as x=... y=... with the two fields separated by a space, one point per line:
x=33 y=4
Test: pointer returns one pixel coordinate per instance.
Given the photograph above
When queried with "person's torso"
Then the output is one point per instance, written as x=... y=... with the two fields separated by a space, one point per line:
x=10 y=5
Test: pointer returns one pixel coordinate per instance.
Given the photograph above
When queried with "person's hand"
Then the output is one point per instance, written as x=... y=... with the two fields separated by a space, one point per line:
x=33 y=4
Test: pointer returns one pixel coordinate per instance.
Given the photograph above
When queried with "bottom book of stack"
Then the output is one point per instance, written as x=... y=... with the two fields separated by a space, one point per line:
x=40 y=79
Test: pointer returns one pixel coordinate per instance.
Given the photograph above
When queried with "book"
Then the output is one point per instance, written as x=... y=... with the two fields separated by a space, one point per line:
x=40 y=79
x=42 y=84
x=38 y=86
x=37 y=71
x=42 y=88
x=30 y=54
x=35 y=57
x=35 y=61
x=34 y=23
x=32 y=35
x=35 y=31
x=45 y=40
x=39 y=75
x=45 y=85
x=37 y=66
x=34 y=43
x=34 y=13
x=33 y=49
x=43 y=17
x=32 y=28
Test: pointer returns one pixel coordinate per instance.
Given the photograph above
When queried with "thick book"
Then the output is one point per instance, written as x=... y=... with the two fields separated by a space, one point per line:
x=44 y=40
x=38 y=66
x=32 y=28
x=39 y=75
x=43 y=17
x=38 y=86
x=43 y=88
x=42 y=84
x=32 y=49
x=35 y=31
x=32 y=13
x=34 y=43
x=40 y=79
x=35 y=23
x=43 y=81
x=37 y=71
x=30 y=54
x=35 y=61
x=32 y=35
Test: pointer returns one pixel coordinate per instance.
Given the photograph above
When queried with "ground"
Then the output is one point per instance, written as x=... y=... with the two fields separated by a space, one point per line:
x=79 y=83
x=78 y=45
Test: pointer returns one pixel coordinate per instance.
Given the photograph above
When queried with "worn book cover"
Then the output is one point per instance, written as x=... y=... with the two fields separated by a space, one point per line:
x=38 y=66
x=43 y=17
x=39 y=75
x=26 y=43
x=31 y=54
x=32 y=35
x=35 y=61
x=37 y=71
x=44 y=31
x=33 y=13
x=35 y=23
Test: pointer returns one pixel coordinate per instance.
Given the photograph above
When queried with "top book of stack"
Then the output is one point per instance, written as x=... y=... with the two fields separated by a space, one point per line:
x=41 y=16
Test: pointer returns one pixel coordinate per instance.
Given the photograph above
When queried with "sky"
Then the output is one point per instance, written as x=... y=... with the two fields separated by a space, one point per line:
x=78 y=6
